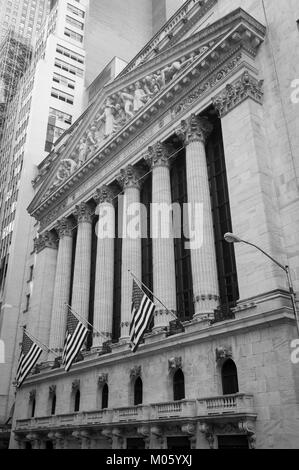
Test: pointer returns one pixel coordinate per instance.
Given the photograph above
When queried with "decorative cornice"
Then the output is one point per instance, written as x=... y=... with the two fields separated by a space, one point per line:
x=129 y=177
x=158 y=155
x=195 y=129
x=64 y=228
x=83 y=213
x=45 y=240
x=104 y=195
x=235 y=93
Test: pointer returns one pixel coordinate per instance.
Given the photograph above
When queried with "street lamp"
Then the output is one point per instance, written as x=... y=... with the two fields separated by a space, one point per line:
x=231 y=238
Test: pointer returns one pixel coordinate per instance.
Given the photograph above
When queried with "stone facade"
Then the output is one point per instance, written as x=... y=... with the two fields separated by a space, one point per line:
x=166 y=104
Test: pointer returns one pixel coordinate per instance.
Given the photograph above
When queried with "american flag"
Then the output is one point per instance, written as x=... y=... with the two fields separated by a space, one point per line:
x=29 y=356
x=76 y=333
x=142 y=311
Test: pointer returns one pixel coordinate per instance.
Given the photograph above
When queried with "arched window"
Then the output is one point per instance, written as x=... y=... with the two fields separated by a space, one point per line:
x=53 y=405
x=229 y=378
x=105 y=393
x=77 y=401
x=33 y=403
x=138 y=391
x=178 y=385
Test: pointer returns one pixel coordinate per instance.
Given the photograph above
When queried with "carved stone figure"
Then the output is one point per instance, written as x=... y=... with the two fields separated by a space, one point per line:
x=107 y=116
x=140 y=97
x=128 y=100
x=82 y=150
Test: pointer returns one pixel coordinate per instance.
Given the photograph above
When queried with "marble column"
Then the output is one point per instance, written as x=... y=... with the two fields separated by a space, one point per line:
x=81 y=281
x=39 y=317
x=162 y=235
x=62 y=285
x=195 y=131
x=131 y=245
x=103 y=299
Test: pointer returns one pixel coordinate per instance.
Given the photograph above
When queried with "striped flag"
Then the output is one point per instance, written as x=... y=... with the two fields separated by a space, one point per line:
x=76 y=333
x=29 y=356
x=142 y=311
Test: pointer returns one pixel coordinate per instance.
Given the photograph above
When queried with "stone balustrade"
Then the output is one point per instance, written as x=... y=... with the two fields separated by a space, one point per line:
x=229 y=405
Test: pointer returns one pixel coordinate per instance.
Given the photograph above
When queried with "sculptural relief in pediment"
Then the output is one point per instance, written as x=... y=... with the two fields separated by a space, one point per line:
x=118 y=109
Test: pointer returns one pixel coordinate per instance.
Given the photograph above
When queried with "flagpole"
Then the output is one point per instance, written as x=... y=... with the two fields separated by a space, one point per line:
x=83 y=319
x=45 y=348
x=169 y=311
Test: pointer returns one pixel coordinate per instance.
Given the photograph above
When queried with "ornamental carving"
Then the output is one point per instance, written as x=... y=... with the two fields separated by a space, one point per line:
x=223 y=353
x=45 y=240
x=104 y=195
x=52 y=390
x=195 y=129
x=32 y=395
x=64 y=228
x=158 y=155
x=129 y=177
x=83 y=213
x=135 y=372
x=174 y=363
x=102 y=379
x=76 y=385
x=237 y=92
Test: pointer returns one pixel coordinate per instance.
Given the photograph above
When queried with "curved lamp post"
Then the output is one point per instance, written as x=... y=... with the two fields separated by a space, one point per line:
x=231 y=238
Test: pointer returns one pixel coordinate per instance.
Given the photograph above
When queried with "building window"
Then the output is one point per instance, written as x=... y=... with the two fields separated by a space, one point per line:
x=32 y=407
x=75 y=11
x=27 y=303
x=178 y=385
x=71 y=54
x=57 y=78
x=73 y=22
x=138 y=392
x=56 y=115
x=60 y=95
x=229 y=377
x=225 y=252
x=53 y=405
x=77 y=401
x=183 y=272
x=105 y=393
x=60 y=64
x=117 y=276
x=71 y=34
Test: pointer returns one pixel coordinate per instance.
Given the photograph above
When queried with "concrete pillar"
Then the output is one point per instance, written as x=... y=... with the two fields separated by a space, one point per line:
x=103 y=299
x=195 y=130
x=39 y=319
x=81 y=282
x=62 y=286
x=131 y=246
x=162 y=235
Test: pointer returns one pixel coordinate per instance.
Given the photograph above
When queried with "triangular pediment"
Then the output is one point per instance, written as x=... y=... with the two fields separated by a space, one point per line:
x=127 y=102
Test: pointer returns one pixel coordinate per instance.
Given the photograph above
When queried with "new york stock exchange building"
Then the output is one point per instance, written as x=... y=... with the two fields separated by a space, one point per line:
x=195 y=120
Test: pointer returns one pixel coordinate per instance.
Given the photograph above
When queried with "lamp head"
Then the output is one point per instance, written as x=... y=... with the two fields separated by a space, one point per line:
x=231 y=238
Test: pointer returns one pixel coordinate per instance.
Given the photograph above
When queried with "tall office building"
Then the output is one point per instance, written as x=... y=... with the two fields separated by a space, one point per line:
x=204 y=115
x=23 y=16
x=67 y=70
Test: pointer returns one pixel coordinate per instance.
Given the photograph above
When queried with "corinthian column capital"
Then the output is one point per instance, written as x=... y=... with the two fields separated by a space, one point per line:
x=195 y=129
x=104 y=195
x=129 y=177
x=45 y=240
x=83 y=213
x=64 y=228
x=158 y=155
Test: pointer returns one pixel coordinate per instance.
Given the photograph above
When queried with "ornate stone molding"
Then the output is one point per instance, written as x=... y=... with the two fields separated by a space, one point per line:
x=235 y=93
x=102 y=379
x=32 y=395
x=208 y=431
x=129 y=177
x=83 y=213
x=158 y=155
x=64 y=228
x=52 y=390
x=223 y=353
x=194 y=129
x=104 y=195
x=135 y=372
x=76 y=385
x=174 y=363
x=45 y=240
